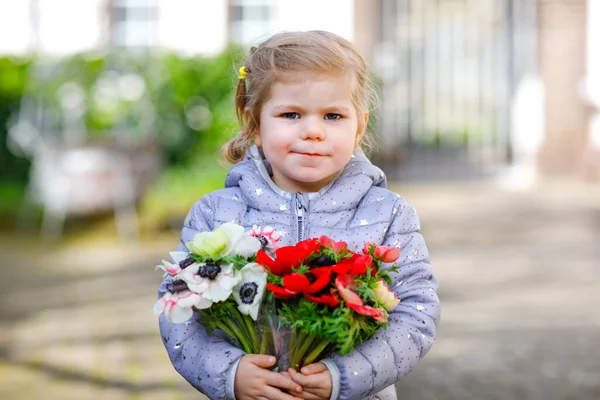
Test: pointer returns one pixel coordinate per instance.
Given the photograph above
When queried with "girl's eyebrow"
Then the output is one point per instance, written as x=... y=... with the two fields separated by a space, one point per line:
x=333 y=108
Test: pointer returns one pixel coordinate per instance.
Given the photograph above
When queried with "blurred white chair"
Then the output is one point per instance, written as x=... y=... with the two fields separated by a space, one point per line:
x=82 y=181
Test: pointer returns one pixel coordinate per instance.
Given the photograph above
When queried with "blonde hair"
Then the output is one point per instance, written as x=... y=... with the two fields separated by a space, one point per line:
x=313 y=51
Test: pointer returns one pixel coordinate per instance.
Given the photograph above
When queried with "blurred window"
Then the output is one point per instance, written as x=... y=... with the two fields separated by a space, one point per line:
x=250 y=19
x=133 y=23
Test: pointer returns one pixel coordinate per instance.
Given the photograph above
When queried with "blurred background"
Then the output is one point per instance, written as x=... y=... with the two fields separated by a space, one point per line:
x=112 y=113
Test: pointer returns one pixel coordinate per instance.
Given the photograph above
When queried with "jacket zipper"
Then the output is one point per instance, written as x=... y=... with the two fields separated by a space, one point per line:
x=299 y=219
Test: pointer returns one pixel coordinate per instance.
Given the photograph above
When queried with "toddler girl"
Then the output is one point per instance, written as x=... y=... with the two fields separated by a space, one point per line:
x=303 y=103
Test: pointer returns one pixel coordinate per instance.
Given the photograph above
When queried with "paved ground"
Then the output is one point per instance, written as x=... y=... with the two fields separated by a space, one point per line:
x=519 y=275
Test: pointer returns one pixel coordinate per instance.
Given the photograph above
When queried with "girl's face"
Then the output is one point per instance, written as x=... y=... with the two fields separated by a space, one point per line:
x=308 y=129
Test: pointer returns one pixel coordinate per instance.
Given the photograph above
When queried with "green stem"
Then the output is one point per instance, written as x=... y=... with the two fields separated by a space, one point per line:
x=238 y=334
x=265 y=340
x=312 y=356
x=252 y=332
x=248 y=324
x=295 y=337
x=228 y=331
x=304 y=343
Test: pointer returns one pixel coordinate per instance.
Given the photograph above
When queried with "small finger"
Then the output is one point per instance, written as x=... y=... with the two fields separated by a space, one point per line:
x=260 y=360
x=314 y=368
x=281 y=381
x=314 y=381
x=298 y=377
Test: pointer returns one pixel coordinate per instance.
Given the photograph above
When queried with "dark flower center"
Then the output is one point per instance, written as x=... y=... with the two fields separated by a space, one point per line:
x=177 y=286
x=263 y=242
x=209 y=271
x=311 y=277
x=183 y=264
x=323 y=261
x=248 y=292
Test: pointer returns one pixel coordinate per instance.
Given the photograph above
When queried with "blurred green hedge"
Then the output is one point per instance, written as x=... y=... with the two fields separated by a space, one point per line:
x=192 y=99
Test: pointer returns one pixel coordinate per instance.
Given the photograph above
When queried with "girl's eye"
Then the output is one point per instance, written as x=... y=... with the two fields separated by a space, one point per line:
x=291 y=115
x=332 y=116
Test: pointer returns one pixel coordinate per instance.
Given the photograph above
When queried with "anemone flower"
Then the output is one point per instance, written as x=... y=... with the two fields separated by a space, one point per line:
x=287 y=257
x=177 y=307
x=345 y=284
x=382 y=253
x=355 y=265
x=238 y=241
x=250 y=290
x=312 y=285
x=385 y=296
x=209 y=244
x=268 y=238
x=312 y=282
x=214 y=282
x=328 y=297
x=181 y=261
x=338 y=247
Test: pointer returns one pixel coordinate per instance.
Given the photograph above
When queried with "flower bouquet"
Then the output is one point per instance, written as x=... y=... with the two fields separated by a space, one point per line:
x=219 y=279
x=327 y=298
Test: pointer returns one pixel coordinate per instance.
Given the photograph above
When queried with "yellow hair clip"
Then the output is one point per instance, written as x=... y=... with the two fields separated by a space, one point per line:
x=243 y=73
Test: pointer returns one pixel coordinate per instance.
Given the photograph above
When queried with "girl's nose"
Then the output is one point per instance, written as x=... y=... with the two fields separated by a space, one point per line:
x=313 y=130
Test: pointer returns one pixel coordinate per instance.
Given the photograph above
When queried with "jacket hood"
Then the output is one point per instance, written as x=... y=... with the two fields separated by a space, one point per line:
x=252 y=176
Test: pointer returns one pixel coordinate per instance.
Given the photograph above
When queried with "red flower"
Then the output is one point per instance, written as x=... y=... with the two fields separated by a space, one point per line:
x=280 y=292
x=300 y=283
x=308 y=284
x=355 y=265
x=338 y=247
x=383 y=253
x=329 y=299
x=287 y=257
x=345 y=284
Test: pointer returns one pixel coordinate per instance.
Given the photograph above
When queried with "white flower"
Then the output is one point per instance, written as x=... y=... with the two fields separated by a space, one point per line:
x=169 y=268
x=250 y=290
x=385 y=296
x=239 y=242
x=268 y=238
x=181 y=261
x=208 y=244
x=213 y=282
x=177 y=307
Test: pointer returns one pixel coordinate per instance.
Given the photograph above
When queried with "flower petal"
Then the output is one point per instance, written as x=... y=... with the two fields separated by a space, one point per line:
x=178 y=315
x=296 y=283
x=329 y=299
x=391 y=255
x=159 y=306
x=208 y=244
x=378 y=313
x=280 y=292
x=251 y=273
x=343 y=283
x=169 y=268
x=323 y=275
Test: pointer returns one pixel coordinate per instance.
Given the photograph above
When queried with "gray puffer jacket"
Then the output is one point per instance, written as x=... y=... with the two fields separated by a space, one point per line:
x=356 y=208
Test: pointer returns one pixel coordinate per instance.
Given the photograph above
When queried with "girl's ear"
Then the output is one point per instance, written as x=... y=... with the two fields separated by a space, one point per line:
x=251 y=133
x=256 y=139
x=362 y=127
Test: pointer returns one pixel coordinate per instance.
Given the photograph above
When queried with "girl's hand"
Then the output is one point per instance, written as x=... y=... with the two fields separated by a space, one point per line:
x=315 y=380
x=253 y=381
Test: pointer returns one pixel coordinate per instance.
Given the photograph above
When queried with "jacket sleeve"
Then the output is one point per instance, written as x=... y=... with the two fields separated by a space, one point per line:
x=207 y=362
x=393 y=352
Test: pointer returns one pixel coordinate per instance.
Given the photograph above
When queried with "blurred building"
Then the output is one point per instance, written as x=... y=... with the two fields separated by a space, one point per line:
x=469 y=88
x=505 y=88
x=187 y=26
